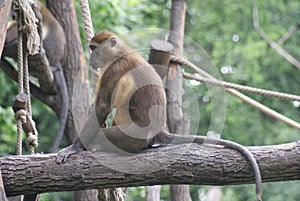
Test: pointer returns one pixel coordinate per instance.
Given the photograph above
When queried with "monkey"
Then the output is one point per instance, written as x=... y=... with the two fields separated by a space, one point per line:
x=130 y=85
x=52 y=56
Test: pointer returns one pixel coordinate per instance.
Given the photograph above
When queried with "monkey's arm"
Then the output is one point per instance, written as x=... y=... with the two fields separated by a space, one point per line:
x=86 y=137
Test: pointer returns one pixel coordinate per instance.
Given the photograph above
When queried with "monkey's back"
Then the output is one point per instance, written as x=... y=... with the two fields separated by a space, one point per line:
x=136 y=91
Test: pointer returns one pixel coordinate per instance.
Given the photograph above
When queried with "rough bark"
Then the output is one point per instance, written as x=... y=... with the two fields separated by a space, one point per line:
x=180 y=164
x=4 y=15
x=174 y=87
x=75 y=69
x=2 y=190
x=153 y=193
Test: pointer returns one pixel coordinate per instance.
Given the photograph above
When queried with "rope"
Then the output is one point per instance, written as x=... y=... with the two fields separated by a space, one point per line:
x=87 y=19
x=247 y=89
x=26 y=83
x=27 y=23
x=89 y=33
x=232 y=91
x=20 y=86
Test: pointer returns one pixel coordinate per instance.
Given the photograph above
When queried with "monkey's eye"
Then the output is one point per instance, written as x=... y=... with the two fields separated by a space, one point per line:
x=113 y=42
x=93 y=47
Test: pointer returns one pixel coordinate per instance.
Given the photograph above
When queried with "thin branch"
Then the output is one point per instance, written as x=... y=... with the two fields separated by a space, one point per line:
x=274 y=45
x=287 y=35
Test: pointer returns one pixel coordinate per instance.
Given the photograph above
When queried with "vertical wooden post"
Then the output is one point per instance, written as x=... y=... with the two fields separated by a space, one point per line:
x=174 y=86
x=159 y=56
x=2 y=190
x=76 y=74
x=4 y=15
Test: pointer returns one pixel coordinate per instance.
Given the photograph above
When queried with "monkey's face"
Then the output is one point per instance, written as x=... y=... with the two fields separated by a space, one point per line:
x=105 y=52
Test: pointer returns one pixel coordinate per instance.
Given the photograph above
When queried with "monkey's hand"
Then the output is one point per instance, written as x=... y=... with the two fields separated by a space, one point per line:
x=63 y=155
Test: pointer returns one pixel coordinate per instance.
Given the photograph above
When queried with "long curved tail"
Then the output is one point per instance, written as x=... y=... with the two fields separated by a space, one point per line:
x=165 y=138
x=64 y=97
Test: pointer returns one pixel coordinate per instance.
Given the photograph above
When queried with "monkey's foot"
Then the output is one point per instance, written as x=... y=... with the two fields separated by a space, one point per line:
x=63 y=155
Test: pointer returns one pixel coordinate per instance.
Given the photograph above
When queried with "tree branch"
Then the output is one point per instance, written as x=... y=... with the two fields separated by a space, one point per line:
x=180 y=164
x=287 y=35
x=35 y=90
x=274 y=45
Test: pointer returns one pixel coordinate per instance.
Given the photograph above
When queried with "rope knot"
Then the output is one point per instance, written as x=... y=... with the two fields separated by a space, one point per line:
x=31 y=140
x=21 y=115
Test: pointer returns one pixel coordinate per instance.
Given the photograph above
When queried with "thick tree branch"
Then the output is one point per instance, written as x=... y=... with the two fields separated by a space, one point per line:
x=274 y=45
x=180 y=164
x=35 y=90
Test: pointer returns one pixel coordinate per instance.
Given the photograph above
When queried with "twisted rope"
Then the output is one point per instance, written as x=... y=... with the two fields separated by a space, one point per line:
x=204 y=79
x=232 y=91
x=89 y=33
x=20 y=86
x=87 y=19
x=27 y=23
x=26 y=83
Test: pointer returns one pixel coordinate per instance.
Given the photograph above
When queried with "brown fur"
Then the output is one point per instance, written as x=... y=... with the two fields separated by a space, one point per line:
x=102 y=36
x=140 y=100
x=129 y=84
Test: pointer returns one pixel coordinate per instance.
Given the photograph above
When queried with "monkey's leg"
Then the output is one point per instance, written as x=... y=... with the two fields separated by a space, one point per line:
x=90 y=128
x=93 y=138
x=113 y=139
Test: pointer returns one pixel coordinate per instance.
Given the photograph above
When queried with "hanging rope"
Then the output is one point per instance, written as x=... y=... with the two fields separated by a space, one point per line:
x=87 y=19
x=230 y=88
x=89 y=33
x=27 y=23
x=20 y=118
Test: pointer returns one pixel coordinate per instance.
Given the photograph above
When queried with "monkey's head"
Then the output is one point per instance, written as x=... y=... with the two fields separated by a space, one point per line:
x=106 y=47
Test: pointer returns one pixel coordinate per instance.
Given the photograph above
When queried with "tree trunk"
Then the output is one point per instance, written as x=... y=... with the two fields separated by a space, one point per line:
x=180 y=192
x=75 y=68
x=153 y=193
x=174 y=87
x=76 y=74
x=180 y=164
x=4 y=15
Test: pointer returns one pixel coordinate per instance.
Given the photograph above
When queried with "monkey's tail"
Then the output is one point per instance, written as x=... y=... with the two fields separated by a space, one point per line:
x=242 y=149
x=63 y=115
x=165 y=138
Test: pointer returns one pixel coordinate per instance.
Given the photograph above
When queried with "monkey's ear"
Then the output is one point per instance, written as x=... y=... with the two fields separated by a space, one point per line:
x=113 y=42
x=93 y=47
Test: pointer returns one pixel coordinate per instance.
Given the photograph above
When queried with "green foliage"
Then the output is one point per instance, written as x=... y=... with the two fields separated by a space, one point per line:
x=7 y=131
x=224 y=29
x=61 y=196
x=135 y=193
